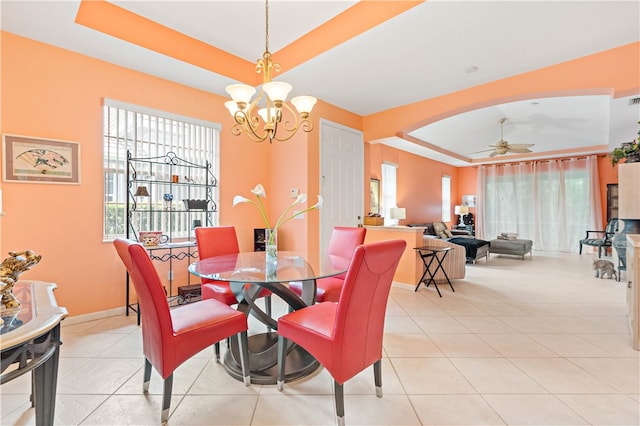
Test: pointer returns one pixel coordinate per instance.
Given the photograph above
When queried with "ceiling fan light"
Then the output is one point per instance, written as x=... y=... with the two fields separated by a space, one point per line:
x=240 y=93
x=304 y=104
x=277 y=90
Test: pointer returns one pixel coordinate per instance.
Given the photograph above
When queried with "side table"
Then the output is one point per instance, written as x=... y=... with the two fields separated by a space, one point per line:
x=428 y=256
x=31 y=340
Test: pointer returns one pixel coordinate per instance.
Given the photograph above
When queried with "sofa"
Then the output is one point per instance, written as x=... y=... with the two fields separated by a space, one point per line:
x=474 y=249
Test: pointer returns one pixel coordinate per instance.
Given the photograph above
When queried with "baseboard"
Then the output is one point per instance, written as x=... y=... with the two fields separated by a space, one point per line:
x=76 y=319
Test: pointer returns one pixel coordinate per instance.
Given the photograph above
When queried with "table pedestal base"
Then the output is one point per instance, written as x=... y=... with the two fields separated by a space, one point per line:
x=264 y=363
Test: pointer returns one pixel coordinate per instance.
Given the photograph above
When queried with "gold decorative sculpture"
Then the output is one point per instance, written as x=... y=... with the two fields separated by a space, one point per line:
x=11 y=268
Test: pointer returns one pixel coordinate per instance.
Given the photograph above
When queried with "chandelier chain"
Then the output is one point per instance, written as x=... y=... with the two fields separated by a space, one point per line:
x=266 y=25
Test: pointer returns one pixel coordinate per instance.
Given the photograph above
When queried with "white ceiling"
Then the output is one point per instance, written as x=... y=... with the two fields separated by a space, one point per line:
x=422 y=53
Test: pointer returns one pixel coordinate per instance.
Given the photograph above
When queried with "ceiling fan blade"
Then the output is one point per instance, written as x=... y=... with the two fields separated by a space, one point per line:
x=485 y=150
x=520 y=150
x=493 y=154
x=520 y=145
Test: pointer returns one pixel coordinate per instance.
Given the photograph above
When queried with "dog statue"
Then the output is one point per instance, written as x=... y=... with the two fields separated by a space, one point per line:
x=10 y=269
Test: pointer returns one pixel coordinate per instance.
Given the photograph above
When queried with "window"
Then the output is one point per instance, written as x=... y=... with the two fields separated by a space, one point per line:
x=388 y=191
x=147 y=133
x=446 y=198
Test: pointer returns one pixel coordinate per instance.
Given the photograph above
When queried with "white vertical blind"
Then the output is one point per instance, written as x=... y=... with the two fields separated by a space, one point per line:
x=446 y=198
x=388 y=191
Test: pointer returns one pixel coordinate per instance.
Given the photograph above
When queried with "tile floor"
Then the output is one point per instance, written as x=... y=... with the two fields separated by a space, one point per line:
x=533 y=342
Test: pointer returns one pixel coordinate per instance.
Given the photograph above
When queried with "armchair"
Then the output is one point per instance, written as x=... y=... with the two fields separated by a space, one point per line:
x=603 y=239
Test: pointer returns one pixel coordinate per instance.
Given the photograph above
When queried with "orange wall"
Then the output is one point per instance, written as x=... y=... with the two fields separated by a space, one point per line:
x=53 y=93
x=418 y=182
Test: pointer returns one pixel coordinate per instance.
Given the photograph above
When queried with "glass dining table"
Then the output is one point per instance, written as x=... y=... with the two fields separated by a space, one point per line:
x=247 y=274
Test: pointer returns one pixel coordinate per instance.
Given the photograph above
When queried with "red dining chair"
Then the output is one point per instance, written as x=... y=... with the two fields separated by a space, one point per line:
x=346 y=337
x=172 y=336
x=342 y=244
x=218 y=241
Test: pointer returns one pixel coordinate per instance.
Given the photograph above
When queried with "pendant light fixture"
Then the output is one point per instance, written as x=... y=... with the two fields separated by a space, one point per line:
x=272 y=119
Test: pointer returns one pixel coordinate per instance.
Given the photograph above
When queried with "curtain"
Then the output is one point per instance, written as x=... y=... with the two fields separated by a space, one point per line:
x=551 y=202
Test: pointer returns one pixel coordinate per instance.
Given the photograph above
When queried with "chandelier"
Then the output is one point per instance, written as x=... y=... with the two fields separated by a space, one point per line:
x=274 y=116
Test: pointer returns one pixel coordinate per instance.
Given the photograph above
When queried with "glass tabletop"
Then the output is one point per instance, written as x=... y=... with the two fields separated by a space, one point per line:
x=249 y=267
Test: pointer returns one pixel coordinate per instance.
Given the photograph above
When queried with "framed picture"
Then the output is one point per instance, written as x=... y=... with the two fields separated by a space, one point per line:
x=28 y=159
x=469 y=200
x=374 y=192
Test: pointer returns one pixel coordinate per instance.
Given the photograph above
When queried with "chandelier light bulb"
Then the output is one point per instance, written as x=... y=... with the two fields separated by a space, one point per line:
x=304 y=104
x=262 y=112
x=232 y=107
x=277 y=90
x=241 y=93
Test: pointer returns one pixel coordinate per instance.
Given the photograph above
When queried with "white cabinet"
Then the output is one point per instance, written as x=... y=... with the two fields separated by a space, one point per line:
x=633 y=287
x=628 y=190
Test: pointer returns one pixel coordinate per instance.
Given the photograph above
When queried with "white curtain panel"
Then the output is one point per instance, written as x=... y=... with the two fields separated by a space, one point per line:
x=551 y=202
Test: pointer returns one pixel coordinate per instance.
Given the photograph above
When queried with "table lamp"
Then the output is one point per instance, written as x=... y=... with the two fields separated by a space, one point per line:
x=398 y=213
x=461 y=211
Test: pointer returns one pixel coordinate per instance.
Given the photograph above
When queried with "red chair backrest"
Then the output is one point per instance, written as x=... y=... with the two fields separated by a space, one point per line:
x=361 y=309
x=216 y=241
x=155 y=318
x=342 y=244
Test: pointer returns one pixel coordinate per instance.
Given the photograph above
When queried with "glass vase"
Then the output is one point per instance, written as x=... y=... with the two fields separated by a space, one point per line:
x=271 y=251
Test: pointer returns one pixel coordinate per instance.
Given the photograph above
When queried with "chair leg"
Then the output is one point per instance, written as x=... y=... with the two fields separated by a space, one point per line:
x=377 y=376
x=339 y=396
x=580 y=248
x=282 y=349
x=243 y=343
x=599 y=252
x=217 y=350
x=147 y=376
x=166 y=398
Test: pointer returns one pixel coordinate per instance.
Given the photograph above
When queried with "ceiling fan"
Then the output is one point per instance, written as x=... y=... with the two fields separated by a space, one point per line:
x=503 y=147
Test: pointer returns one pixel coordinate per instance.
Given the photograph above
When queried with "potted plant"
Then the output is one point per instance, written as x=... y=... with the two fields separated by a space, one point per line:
x=630 y=151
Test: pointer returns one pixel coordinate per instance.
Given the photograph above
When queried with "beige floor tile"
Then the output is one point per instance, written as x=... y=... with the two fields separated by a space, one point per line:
x=213 y=410
x=410 y=345
x=462 y=345
x=440 y=324
x=617 y=344
x=88 y=345
x=319 y=383
x=130 y=410
x=535 y=410
x=530 y=324
x=568 y=345
x=463 y=410
x=558 y=375
x=400 y=324
x=295 y=410
x=214 y=380
x=431 y=376
x=621 y=373
x=102 y=376
x=390 y=410
x=485 y=324
x=496 y=375
x=605 y=409
x=516 y=345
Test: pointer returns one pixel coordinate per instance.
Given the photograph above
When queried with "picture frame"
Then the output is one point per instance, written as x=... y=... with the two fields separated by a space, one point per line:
x=374 y=193
x=469 y=200
x=38 y=160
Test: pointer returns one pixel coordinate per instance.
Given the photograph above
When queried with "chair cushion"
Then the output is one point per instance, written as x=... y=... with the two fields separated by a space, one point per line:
x=439 y=228
x=596 y=242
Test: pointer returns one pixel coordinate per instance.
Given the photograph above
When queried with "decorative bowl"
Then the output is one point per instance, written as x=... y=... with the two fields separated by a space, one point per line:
x=151 y=238
x=196 y=204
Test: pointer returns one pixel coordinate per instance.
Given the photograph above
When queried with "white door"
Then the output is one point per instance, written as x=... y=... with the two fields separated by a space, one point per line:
x=341 y=179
